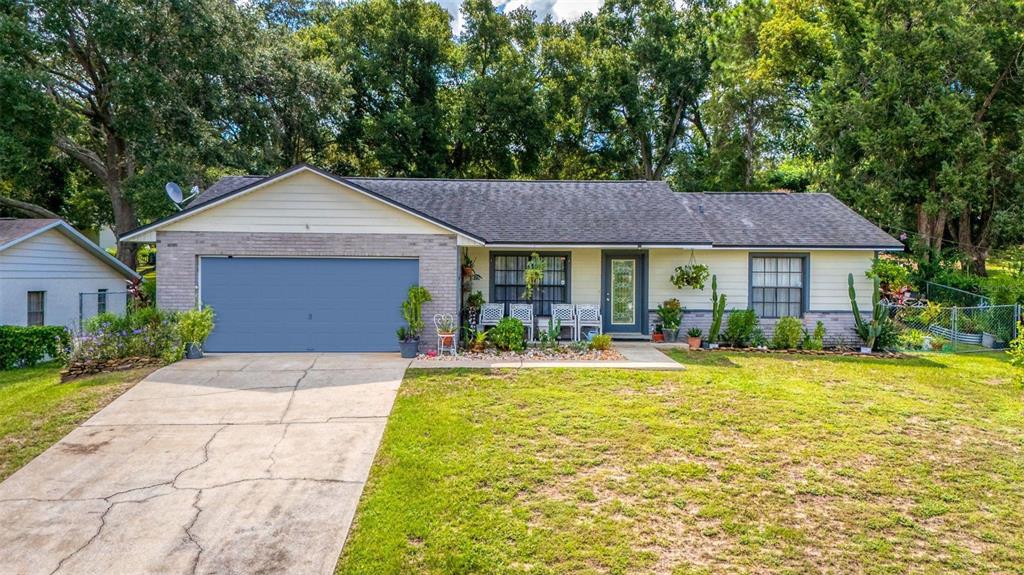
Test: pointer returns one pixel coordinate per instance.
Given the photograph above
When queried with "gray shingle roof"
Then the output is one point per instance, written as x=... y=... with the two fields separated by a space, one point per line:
x=616 y=212
x=14 y=228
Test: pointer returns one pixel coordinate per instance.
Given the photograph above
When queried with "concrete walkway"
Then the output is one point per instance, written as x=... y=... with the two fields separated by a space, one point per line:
x=229 y=464
x=636 y=355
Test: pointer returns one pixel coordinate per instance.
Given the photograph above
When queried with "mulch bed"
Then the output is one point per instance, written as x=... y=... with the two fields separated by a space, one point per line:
x=562 y=353
x=92 y=367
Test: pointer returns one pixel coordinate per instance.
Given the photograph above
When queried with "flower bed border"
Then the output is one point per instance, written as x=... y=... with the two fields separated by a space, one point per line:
x=95 y=366
x=851 y=353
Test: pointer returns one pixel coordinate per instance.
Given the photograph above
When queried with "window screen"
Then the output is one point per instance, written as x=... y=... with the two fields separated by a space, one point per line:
x=777 y=286
x=510 y=284
x=36 y=305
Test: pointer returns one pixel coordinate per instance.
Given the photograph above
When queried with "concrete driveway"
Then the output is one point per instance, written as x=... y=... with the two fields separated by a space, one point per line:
x=229 y=464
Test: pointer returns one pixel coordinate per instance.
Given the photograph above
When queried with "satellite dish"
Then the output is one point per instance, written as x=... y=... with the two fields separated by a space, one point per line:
x=174 y=192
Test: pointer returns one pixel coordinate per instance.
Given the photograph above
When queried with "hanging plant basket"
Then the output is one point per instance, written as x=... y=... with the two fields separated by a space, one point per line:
x=692 y=275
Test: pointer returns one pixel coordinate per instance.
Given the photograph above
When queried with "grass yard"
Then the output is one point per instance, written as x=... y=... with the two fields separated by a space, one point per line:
x=36 y=410
x=741 y=464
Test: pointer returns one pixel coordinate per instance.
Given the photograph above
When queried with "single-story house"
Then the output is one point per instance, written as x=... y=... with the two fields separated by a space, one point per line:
x=310 y=260
x=51 y=274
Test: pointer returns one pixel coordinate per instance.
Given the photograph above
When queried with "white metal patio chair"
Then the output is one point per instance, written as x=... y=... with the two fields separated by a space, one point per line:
x=524 y=313
x=445 y=322
x=566 y=314
x=588 y=315
x=490 y=315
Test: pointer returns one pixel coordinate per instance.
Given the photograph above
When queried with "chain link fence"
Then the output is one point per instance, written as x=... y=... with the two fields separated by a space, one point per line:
x=93 y=303
x=935 y=327
x=952 y=296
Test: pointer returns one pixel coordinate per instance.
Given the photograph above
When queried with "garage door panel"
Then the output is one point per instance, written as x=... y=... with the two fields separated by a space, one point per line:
x=305 y=304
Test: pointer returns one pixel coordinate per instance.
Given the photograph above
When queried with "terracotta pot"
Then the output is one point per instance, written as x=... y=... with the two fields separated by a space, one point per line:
x=658 y=337
x=694 y=342
x=446 y=338
x=467 y=271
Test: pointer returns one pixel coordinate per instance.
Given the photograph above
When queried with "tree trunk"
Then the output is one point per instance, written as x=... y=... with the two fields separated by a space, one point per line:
x=124 y=222
x=930 y=229
x=976 y=251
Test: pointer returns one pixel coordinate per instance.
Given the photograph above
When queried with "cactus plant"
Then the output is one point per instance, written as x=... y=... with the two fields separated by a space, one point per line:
x=869 y=331
x=717 y=311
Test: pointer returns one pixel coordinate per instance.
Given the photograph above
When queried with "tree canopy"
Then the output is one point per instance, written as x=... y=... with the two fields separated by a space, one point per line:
x=909 y=111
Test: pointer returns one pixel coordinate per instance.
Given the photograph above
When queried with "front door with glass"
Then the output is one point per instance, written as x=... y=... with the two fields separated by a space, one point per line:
x=624 y=285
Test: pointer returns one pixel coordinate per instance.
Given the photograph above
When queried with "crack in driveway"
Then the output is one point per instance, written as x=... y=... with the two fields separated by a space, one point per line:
x=218 y=489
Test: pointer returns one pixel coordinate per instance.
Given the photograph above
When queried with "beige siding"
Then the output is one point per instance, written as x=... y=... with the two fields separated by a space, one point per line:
x=729 y=266
x=828 y=271
x=306 y=203
x=584 y=270
x=829 y=286
x=586 y=276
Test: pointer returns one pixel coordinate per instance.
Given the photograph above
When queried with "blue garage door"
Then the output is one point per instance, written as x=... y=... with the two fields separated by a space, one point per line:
x=305 y=304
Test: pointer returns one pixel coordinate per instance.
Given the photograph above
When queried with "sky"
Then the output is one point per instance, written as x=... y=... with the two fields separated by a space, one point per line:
x=558 y=9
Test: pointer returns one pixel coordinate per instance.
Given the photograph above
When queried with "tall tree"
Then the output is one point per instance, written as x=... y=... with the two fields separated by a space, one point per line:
x=497 y=112
x=396 y=54
x=919 y=115
x=138 y=88
x=650 y=71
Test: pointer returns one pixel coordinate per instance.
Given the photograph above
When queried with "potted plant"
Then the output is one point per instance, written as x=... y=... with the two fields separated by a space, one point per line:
x=468 y=267
x=694 y=335
x=446 y=329
x=692 y=275
x=194 y=326
x=938 y=342
x=658 y=336
x=533 y=274
x=671 y=313
x=869 y=330
x=412 y=312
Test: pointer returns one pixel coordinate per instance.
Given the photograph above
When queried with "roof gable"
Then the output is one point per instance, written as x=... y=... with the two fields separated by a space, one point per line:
x=295 y=201
x=15 y=232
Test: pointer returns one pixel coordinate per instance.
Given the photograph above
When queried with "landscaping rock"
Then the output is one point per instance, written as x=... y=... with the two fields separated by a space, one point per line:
x=90 y=367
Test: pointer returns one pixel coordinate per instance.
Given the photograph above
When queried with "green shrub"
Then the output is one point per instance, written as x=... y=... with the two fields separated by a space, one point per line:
x=740 y=329
x=788 y=332
x=1005 y=290
x=195 y=325
x=412 y=311
x=601 y=342
x=671 y=314
x=891 y=273
x=1016 y=350
x=22 y=346
x=143 y=332
x=814 y=341
x=508 y=335
x=912 y=339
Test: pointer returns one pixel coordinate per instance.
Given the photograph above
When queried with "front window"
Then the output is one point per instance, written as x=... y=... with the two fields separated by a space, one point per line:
x=777 y=286
x=508 y=273
x=36 y=306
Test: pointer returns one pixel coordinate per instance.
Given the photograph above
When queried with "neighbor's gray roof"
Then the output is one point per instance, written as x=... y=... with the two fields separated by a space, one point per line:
x=615 y=212
x=14 y=228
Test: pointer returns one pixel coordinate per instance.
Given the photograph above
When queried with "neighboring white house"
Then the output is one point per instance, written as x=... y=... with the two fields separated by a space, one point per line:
x=50 y=274
x=306 y=260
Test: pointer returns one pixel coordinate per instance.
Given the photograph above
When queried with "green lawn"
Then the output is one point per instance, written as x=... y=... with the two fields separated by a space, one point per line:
x=743 y=463
x=36 y=409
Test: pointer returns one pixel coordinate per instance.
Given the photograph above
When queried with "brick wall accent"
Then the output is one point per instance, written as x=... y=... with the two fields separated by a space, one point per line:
x=839 y=326
x=178 y=261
